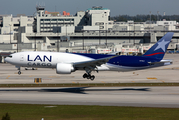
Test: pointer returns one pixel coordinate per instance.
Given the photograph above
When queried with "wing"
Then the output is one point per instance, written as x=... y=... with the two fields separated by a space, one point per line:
x=92 y=64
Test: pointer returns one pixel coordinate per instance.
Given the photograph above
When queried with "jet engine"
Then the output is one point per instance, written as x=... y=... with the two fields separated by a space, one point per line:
x=64 y=68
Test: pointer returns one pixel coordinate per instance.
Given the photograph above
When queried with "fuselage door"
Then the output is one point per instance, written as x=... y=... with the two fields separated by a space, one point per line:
x=21 y=57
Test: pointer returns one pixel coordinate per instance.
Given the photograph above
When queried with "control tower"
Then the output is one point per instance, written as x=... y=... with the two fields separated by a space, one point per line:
x=40 y=10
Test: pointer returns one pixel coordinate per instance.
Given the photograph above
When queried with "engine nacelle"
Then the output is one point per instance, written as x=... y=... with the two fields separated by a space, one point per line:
x=64 y=68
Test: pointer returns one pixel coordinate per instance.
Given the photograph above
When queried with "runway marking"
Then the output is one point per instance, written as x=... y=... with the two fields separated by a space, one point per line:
x=133 y=81
x=167 y=68
x=52 y=76
x=73 y=82
x=31 y=76
x=102 y=81
x=8 y=77
x=154 y=78
x=162 y=81
x=17 y=73
x=175 y=68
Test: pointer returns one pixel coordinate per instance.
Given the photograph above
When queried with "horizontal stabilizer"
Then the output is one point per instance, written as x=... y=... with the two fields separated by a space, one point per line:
x=162 y=62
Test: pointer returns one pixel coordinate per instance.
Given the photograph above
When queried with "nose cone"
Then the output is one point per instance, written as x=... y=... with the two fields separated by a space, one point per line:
x=12 y=59
x=6 y=59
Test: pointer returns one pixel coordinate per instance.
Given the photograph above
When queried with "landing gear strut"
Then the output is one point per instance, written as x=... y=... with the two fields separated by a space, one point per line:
x=19 y=72
x=89 y=76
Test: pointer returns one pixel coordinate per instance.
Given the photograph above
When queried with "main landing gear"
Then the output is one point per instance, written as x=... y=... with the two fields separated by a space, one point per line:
x=89 y=76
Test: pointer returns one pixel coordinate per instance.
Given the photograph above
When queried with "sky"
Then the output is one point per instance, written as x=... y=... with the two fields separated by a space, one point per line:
x=117 y=7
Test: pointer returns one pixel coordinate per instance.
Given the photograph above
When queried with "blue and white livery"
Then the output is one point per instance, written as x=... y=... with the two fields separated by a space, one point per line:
x=65 y=63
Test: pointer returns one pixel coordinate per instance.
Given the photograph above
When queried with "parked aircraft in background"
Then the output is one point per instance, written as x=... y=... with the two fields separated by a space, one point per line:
x=66 y=63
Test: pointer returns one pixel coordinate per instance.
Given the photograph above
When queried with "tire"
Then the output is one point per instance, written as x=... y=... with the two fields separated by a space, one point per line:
x=89 y=77
x=19 y=72
x=85 y=75
x=92 y=77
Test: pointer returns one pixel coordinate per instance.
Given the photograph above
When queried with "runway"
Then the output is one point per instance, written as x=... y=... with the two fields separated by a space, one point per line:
x=167 y=97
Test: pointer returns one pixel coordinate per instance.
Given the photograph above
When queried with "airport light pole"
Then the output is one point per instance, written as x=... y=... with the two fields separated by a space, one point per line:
x=17 y=45
x=57 y=42
x=10 y=32
x=83 y=40
x=134 y=33
x=35 y=43
x=106 y=34
x=129 y=36
x=99 y=38
x=150 y=22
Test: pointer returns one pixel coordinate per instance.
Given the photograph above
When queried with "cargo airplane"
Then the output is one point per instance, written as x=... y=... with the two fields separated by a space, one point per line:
x=66 y=63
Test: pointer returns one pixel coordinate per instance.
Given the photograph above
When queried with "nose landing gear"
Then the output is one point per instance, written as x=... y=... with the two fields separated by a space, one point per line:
x=19 y=72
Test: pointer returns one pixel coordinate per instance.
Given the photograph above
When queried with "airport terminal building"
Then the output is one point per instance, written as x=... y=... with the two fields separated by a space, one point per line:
x=89 y=31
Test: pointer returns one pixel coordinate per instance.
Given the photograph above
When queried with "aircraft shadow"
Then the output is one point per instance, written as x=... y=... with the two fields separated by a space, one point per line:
x=78 y=90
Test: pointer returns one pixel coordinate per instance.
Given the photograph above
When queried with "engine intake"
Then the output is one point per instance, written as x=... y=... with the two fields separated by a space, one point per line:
x=64 y=68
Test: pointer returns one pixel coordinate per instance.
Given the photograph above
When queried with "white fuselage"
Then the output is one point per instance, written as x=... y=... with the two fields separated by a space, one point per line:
x=48 y=59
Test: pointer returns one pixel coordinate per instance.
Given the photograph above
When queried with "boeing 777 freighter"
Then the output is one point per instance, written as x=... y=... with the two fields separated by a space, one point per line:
x=66 y=63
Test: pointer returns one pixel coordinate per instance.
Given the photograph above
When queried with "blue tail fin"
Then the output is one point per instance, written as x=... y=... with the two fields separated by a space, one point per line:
x=158 y=50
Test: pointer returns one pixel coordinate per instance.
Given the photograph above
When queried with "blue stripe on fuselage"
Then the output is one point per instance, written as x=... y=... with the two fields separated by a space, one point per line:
x=131 y=61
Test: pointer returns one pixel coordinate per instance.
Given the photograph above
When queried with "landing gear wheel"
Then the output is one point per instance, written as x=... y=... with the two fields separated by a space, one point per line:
x=92 y=77
x=89 y=77
x=88 y=74
x=85 y=75
x=19 y=72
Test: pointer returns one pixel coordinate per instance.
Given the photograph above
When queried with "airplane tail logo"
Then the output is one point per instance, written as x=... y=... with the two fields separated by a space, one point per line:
x=158 y=50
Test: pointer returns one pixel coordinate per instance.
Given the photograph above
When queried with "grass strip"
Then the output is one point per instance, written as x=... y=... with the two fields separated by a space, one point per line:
x=89 y=85
x=79 y=112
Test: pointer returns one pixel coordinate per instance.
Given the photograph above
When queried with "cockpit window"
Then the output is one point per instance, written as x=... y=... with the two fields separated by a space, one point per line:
x=10 y=56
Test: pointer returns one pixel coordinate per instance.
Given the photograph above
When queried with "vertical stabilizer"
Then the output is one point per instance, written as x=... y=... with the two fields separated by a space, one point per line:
x=158 y=50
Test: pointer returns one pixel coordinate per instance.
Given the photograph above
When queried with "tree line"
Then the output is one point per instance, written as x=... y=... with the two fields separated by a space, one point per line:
x=144 y=18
